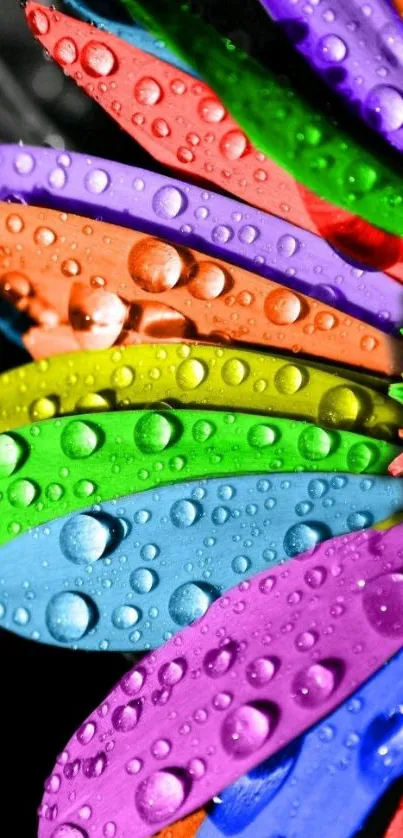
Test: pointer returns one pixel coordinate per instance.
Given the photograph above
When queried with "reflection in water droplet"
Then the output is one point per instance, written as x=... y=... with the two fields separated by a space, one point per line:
x=79 y=439
x=154 y=432
x=247 y=728
x=315 y=684
x=69 y=616
x=304 y=536
x=190 y=601
x=154 y=265
x=161 y=795
x=184 y=513
x=143 y=580
x=11 y=454
x=382 y=601
x=218 y=662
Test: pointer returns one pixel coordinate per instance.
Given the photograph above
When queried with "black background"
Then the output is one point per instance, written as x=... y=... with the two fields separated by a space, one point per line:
x=45 y=693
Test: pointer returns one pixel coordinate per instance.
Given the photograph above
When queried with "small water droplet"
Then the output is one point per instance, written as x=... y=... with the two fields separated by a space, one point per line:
x=143 y=580
x=80 y=439
x=261 y=671
x=217 y=662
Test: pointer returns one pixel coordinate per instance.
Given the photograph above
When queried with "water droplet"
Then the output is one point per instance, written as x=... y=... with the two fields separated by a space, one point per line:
x=304 y=536
x=211 y=110
x=154 y=432
x=282 y=307
x=125 y=616
x=161 y=748
x=315 y=443
x=22 y=492
x=143 y=580
x=313 y=685
x=382 y=601
x=247 y=728
x=24 y=163
x=97 y=181
x=147 y=91
x=160 y=128
x=220 y=515
x=86 y=538
x=39 y=24
x=221 y=234
x=315 y=577
x=381 y=749
x=122 y=377
x=234 y=372
x=260 y=436
x=184 y=513
x=207 y=281
x=154 y=265
x=86 y=732
x=69 y=830
x=217 y=662
x=191 y=373
x=287 y=245
x=331 y=49
x=359 y=520
x=171 y=673
x=190 y=601
x=160 y=796
x=261 y=671
x=305 y=641
x=361 y=456
x=65 y=51
x=241 y=564
x=196 y=768
x=43 y=408
x=126 y=716
x=95 y=766
x=233 y=145
x=368 y=343
x=169 y=202
x=341 y=406
x=11 y=454
x=14 y=223
x=69 y=616
x=149 y=552
x=98 y=60
x=222 y=701
x=289 y=379
x=133 y=682
x=317 y=488
x=134 y=766
x=203 y=430
x=21 y=616
x=248 y=234
x=384 y=108
x=79 y=439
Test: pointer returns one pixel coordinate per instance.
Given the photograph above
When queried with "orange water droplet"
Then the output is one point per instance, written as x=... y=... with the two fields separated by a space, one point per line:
x=155 y=265
x=324 y=320
x=147 y=91
x=185 y=155
x=70 y=267
x=38 y=22
x=211 y=110
x=368 y=343
x=44 y=236
x=65 y=51
x=282 y=307
x=14 y=223
x=160 y=128
x=207 y=281
x=233 y=145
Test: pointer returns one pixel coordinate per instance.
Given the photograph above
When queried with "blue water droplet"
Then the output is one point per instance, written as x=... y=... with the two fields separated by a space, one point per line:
x=69 y=616
x=184 y=513
x=190 y=601
x=305 y=536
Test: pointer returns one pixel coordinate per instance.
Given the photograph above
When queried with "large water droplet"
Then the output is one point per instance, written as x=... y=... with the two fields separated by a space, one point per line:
x=143 y=580
x=147 y=91
x=160 y=796
x=305 y=536
x=317 y=488
x=261 y=436
x=69 y=616
x=191 y=373
x=331 y=49
x=184 y=513
x=235 y=371
x=287 y=245
x=126 y=716
x=190 y=601
x=80 y=439
x=97 y=181
x=313 y=685
x=361 y=456
x=218 y=662
x=233 y=145
x=211 y=110
x=22 y=492
x=289 y=379
x=171 y=673
x=282 y=307
x=85 y=538
x=154 y=265
x=206 y=281
x=341 y=406
x=315 y=443
x=382 y=601
x=11 y=454
x=384 y=108
x=154 y=432
x=359 y=520
x=168 y=202
x=125 y=616
x=98 y=60
x=247 y=728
